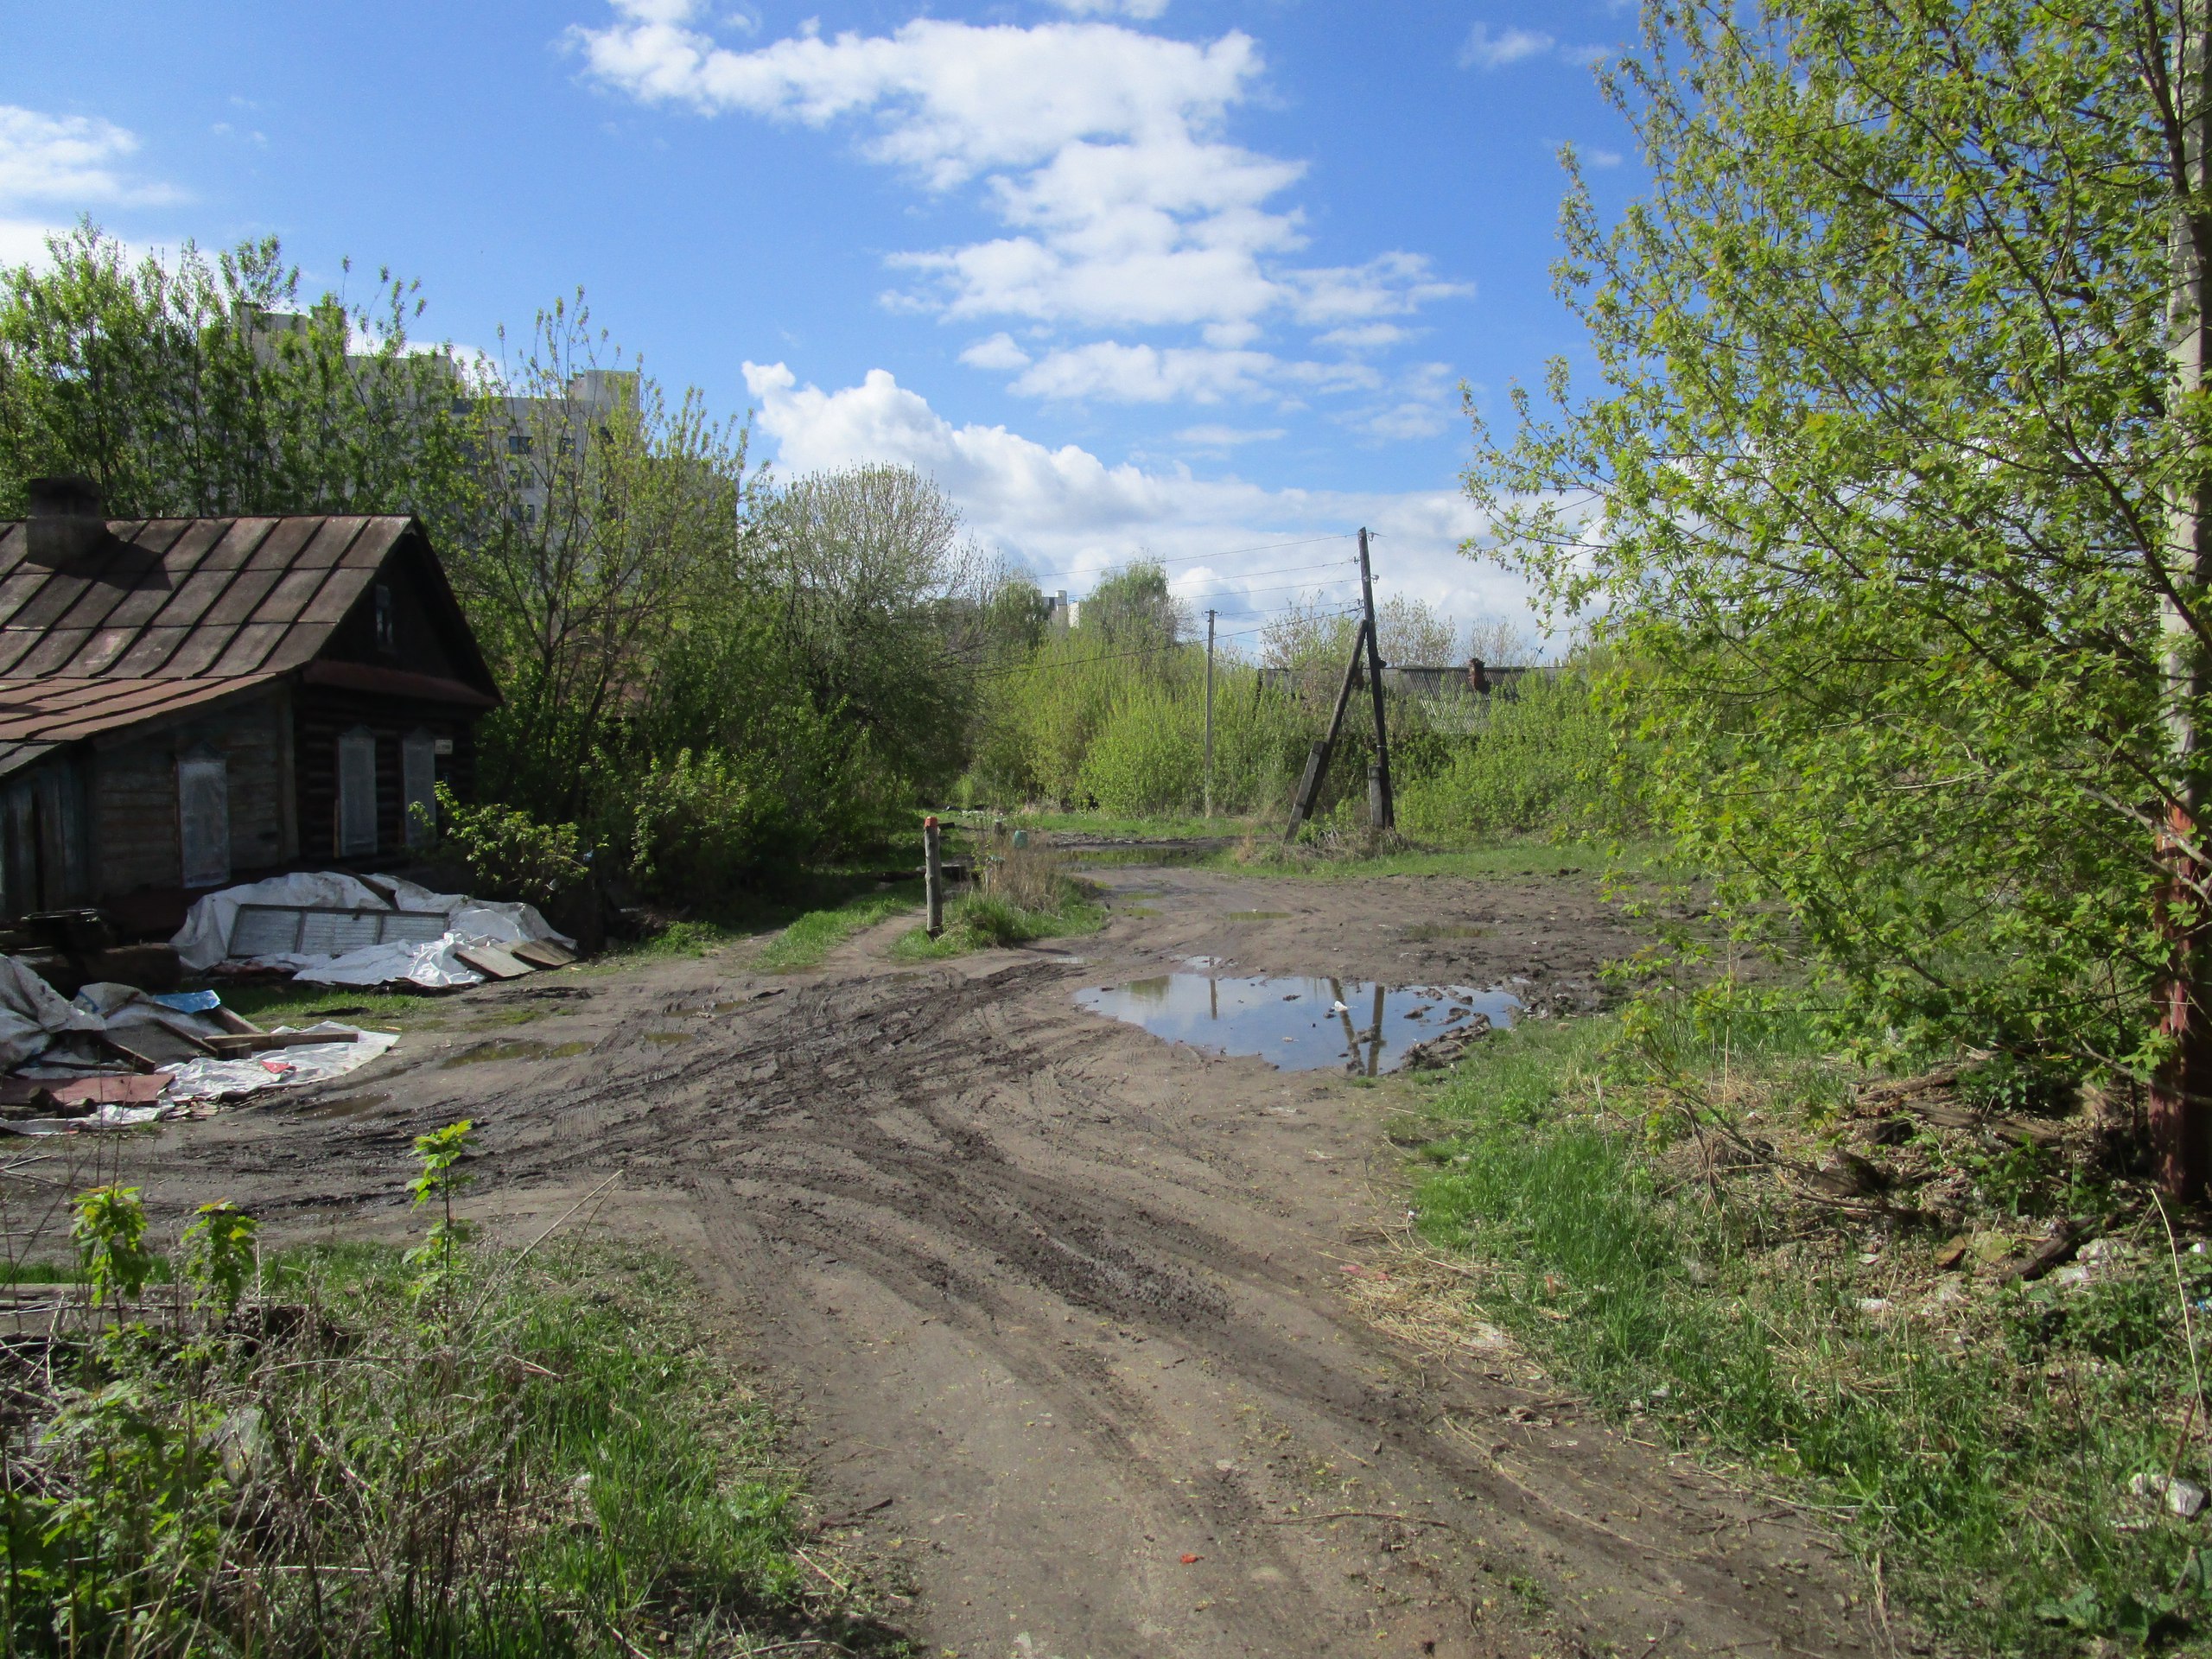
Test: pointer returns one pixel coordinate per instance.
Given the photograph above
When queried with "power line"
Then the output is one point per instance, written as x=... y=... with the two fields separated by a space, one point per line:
x=1123 y=656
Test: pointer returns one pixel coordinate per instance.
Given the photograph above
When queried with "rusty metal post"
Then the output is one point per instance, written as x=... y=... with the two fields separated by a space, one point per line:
x=933 y=875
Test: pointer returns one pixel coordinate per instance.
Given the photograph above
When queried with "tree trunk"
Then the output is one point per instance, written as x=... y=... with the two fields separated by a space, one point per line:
x=2181 y=1096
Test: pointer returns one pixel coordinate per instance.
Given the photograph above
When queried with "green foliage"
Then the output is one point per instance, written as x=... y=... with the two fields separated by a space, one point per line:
x=574 y=1472
x=190 y=387
x=439 y=1181
x=1543 y=759
x=1871 y=500
x=220 y=1254
x=109 y=1230
x=1983 y=1449
x=511 y=855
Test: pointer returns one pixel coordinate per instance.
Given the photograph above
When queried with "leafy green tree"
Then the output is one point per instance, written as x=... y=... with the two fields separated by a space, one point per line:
x=200 y=386
x=1873 y=496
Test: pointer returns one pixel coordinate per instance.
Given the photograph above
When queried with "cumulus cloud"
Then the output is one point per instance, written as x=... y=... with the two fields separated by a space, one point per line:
x=1098 y=148
x=71 y=162
x=1142 y=10
x=1227 y=437
x=1489 y=48
x=1068 y=515
x=999 y=351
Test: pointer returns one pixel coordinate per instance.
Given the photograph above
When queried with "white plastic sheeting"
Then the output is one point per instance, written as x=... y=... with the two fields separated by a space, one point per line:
x=32 y=1013
x=205 y=940
x=212 y=1079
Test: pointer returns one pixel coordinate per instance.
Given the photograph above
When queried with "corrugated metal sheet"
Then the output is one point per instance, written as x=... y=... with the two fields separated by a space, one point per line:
x=178 y=598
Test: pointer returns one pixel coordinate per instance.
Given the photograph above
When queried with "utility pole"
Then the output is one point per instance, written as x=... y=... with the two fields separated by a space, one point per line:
x=1386 y=813
x=2180 y=1111
x=1209 y=615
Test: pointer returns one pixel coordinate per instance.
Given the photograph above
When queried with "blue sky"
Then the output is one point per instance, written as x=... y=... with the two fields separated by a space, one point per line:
x=1174 y=277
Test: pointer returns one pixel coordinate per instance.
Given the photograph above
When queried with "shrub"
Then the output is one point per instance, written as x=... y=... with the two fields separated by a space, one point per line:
x=511 y=855
x=1542 y=760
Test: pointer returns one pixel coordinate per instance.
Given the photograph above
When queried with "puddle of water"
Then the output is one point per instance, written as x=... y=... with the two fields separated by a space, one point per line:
x=1297 y=1024
x=522 y=1048
x=347 y=1106
x=1258 y=915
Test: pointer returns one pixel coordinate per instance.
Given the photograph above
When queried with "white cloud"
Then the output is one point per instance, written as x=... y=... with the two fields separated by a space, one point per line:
x=1146 y=374
x=1097 y=147
x=1365 y=336
x=1597 y=157
x=1489 y=49
x=1069 y=516
x=74 y=163
x=1423 y=402
x=71 y=159
x=1227 y=437
x=999 y=351
x=1142 y=10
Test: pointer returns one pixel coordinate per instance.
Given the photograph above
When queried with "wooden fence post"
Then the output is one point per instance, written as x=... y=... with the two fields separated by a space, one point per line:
x=933 y=875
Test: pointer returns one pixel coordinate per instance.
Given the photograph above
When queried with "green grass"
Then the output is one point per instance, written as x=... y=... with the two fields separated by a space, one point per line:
x=1984 y=1453
x=545 y=1453
x=981 y=922
x=291 y=1003
x=813 y=935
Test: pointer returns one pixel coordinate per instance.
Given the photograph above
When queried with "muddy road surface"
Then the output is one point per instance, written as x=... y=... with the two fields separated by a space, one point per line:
x=1067 y=1311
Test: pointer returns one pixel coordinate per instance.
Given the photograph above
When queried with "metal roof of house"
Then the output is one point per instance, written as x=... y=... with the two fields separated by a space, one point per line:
x=170 y=599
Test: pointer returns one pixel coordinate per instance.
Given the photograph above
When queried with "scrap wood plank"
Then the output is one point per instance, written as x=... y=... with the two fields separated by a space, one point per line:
x=541 y=953
x=494 y=961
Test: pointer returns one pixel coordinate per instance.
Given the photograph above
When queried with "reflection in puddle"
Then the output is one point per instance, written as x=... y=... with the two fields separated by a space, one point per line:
x=1300 y=1025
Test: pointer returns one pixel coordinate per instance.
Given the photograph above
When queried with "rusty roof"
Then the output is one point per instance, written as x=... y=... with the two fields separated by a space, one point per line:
x=171 y=599
x=47 y=712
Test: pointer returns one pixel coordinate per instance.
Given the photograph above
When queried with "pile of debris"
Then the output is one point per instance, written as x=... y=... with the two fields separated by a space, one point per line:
x=114 y=1055
x=331 y=929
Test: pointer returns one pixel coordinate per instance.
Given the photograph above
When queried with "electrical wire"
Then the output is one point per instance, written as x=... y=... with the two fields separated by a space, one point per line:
x=1123 y=656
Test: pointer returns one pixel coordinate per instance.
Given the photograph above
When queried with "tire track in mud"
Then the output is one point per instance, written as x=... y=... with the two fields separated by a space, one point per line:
x=1065 y=1293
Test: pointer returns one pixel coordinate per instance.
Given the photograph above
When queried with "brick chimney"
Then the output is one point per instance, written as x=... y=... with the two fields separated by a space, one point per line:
x=66 y=518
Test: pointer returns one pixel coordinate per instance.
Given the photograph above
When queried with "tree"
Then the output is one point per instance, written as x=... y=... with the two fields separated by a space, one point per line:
x=880 y=596
x=593 y=525
x=1874 y=500
x=1131 y=610
x=194 y=387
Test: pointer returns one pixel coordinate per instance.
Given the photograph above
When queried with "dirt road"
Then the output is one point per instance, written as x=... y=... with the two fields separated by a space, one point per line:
x=1069 y=1302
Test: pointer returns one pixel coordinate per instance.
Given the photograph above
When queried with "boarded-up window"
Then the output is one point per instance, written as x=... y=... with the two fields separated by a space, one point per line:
x=203 y=816
x=418 y=775
x=357 y=793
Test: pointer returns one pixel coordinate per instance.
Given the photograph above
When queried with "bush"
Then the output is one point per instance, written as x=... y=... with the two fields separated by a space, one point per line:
x=1544 y=760
x=509 y=855
x=705 y=826
x=1149 y=757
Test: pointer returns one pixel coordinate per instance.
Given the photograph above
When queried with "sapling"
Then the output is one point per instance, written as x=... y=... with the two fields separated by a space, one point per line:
x=439 y=1151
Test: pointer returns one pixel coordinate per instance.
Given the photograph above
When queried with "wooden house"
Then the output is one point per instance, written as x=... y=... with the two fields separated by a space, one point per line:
x=184 y=703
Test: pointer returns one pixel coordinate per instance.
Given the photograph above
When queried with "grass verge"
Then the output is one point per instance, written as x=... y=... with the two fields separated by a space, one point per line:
x=1975 y=1434
x=983 y=922
x=811 y=937
x=348 y=1450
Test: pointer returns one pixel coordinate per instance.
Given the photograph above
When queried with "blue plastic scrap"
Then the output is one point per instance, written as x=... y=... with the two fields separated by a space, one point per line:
x=188 y=1001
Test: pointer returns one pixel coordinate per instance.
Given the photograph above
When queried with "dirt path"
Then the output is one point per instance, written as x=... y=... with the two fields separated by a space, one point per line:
x=1068 y=1302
